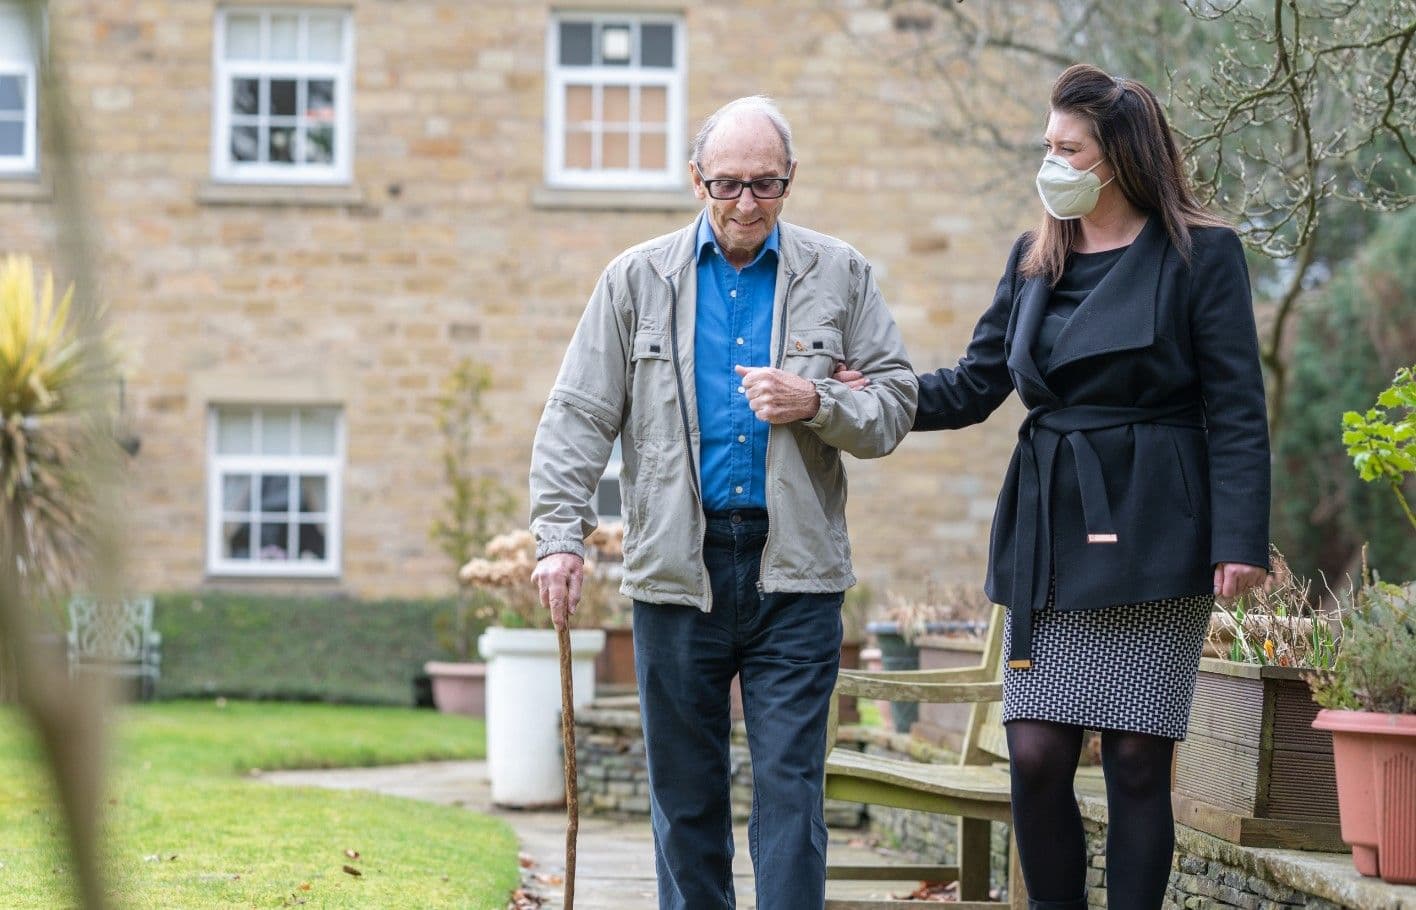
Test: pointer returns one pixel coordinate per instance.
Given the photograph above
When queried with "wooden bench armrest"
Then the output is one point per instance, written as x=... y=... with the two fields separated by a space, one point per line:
x=870 y=686
x=950 y=675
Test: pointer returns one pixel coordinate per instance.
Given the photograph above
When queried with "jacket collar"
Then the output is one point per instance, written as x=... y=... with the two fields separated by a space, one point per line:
x=1118 y=315
x=681 y=251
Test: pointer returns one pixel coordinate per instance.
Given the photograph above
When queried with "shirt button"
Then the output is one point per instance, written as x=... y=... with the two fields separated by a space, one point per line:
x=733 y=293
x=740 y=341
x=737 y=489
x=742 y=439
x=741 y=390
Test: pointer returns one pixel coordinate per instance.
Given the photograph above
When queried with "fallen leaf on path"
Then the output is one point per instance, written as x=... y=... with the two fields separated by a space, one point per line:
x=352 y=854
x=525 y=860
x=305 y=886
x=352 y=871
x=547 y=878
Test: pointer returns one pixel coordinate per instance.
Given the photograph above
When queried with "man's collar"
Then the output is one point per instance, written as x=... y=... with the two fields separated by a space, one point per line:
x=707 y=240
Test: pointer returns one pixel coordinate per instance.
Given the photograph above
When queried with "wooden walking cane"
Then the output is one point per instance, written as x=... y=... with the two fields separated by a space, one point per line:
x=572 y=786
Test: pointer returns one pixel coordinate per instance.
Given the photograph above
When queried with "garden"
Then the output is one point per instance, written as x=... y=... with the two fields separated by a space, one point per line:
x=186 y=826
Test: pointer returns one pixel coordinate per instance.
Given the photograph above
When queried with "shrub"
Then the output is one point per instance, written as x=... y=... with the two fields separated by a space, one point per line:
x=302 y=649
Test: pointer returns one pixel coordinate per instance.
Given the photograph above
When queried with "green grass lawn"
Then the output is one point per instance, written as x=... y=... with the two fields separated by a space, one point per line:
x=185 y=831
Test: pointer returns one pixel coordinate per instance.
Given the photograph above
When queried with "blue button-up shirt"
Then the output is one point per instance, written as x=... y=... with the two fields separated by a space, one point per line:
x=733 y=326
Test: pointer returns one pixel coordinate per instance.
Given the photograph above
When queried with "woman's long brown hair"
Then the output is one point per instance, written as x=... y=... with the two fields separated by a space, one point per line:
x=1130 y=127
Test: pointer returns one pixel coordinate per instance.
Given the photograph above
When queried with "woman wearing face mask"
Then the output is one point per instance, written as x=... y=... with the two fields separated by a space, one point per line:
x=1139 y=488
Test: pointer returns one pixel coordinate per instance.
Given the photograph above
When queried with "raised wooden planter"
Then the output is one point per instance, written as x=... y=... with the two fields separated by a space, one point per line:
x=1253 y=770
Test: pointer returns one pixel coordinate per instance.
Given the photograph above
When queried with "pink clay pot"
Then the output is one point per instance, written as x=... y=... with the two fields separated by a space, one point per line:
x=1375 y=759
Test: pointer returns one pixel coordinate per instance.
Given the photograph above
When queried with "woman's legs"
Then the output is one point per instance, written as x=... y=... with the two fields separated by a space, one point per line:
x=1140 y=837
x=1052 y=849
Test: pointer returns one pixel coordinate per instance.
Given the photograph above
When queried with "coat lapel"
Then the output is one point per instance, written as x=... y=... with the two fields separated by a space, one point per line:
x=1119 y=314
x=1032 y=303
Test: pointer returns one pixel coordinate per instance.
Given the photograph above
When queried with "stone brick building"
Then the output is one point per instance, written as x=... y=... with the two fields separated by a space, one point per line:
x=307 y=213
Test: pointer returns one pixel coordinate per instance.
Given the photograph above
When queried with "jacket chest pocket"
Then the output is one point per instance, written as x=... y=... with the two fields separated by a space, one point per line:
x=813 y=352
x=652 y=385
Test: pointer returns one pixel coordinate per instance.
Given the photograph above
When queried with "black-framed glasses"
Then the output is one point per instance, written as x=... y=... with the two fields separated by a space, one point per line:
x=762 y=187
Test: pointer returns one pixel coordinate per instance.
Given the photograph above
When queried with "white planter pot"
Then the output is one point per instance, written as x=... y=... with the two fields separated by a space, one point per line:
x=523 y=710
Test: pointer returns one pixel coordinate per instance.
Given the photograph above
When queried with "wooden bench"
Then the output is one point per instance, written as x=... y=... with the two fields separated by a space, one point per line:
x=115 y=638
x=976 y=789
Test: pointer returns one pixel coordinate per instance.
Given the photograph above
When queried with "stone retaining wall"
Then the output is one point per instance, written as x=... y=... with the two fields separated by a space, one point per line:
x=1208 y=873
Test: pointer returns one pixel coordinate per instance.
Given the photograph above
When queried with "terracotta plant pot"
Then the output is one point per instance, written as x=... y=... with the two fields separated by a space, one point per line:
x=458 y=688
x=1375 y=757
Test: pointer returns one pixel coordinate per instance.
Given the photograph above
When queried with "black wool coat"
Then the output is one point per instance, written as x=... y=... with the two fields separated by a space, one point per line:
x=1144 y=459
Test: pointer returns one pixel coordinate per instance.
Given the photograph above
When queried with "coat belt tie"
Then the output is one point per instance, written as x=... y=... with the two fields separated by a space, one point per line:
x=1041 y=435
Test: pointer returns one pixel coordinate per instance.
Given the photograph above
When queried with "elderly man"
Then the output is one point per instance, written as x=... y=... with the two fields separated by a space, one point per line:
x=709 y=351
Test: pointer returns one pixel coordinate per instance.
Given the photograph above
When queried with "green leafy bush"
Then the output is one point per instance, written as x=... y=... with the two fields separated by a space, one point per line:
x=304 y=649
x=1376 y=668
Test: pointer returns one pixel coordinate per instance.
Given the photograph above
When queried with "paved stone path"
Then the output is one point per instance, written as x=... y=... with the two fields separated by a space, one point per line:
x=614 y=858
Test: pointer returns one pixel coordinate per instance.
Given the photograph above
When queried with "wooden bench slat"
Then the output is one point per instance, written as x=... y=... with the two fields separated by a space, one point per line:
x=934 y=693
x=902 y=872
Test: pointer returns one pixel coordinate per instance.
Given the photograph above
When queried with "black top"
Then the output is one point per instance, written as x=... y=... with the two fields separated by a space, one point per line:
x=1080 y=275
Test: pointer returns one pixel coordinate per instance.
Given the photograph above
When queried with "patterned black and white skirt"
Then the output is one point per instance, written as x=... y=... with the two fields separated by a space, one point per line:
x=1130 y=667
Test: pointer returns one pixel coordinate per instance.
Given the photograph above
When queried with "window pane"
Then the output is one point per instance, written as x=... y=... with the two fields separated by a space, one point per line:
x=275 y=493
x=319 y=100
x=311 y=540
x=656 y=45
x=313 y=491
x=245 y=143
x=615 y=104
x=274 y=540
x=614 y=150
x=243 y=37
x=579 y=103
x=653 y=151
x=615 y=45
x=326 y=39
x=319 y=145
x=246 y=96
x=607 y=498
x=653 y=105
x=282 y=97
x=276 y=431
x=12 y=93
x=236 y=540
x=284 y=38
x=317 y=427
x=575 y=44
x=235 y=432
x=236 y=493
x=282 y=144
x=12 y=138
x=577 y=149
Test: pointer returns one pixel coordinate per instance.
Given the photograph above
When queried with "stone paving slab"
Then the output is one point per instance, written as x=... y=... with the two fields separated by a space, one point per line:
x=614 y=857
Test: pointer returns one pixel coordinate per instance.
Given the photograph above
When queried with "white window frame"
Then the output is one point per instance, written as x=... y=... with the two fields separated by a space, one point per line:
x=673 y=79
x=219 y=465
x=223 y=168
x=27 y=162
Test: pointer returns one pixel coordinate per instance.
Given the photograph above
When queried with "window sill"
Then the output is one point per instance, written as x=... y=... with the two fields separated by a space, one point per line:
x=25 y=188
x=557 y=199
x=280 y=194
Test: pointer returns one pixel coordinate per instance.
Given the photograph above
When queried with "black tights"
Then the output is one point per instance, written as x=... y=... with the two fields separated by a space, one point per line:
x=1140 y=836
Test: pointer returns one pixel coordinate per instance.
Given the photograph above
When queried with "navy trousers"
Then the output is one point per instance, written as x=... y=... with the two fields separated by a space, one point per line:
x=786 y=647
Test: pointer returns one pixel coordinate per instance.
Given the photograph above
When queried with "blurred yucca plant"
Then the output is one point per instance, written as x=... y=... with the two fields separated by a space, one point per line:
x=51 y=369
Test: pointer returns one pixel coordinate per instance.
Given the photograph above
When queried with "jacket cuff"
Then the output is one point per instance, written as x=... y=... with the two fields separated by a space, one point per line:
x=554 y=545
x=828 y=404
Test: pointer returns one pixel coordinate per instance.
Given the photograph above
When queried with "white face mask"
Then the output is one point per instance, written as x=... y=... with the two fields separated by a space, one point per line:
x=1066 y=192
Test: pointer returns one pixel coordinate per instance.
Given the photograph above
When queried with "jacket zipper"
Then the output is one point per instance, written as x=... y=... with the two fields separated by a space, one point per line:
x=706 y=588
x=771 y=430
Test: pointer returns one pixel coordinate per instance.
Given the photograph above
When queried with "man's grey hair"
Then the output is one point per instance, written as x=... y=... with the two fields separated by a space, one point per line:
x=752 y=104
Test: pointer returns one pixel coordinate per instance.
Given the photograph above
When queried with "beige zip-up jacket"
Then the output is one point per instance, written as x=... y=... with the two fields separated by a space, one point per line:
x=629 y=373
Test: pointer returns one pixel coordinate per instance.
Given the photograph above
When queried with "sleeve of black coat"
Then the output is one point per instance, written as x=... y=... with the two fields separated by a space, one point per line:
x=979 y=383
x=1226 y=349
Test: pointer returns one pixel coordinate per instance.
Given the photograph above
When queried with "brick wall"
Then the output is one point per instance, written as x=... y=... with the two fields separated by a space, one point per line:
x=440 y=252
